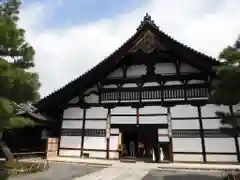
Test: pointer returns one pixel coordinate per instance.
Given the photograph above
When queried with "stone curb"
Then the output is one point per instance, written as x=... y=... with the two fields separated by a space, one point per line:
x=81 y=163
x=197 y=169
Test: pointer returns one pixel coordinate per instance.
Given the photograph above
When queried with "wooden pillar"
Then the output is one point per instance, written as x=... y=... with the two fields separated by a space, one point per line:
x=201 y=131
x=162 y=91
x=235 y=137
x=108 y=133
x=138 y=132
x=83 y=131
x=185 y=90
x=170 y=134
x=59 y=138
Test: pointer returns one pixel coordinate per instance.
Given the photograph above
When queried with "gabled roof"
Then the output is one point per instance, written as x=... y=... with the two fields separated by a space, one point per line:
x=92 y=76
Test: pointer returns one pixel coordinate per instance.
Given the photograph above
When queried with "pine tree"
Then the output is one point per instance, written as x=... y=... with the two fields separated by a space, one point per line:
x=17 y=84
x=227 y=88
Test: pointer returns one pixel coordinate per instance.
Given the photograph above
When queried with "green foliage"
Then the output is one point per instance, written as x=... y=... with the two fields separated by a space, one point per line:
x=13 y=44
x=16 y=84
x=226 y=90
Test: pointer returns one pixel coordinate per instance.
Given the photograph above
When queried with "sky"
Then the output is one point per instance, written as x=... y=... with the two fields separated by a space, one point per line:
x=72 y=36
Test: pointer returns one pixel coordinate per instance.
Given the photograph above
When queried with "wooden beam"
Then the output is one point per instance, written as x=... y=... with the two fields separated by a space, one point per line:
x=108 y=132
x=154 y=77
x=202 y=134
x=170 y=138
x=60 y=127
x=83 y=130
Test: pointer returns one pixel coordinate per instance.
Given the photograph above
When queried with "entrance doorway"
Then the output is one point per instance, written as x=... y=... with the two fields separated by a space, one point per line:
x=148 y=143
x=129 y=142
x=139 y=142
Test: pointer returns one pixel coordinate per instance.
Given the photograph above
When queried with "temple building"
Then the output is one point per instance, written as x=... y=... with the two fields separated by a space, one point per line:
x=148 y=100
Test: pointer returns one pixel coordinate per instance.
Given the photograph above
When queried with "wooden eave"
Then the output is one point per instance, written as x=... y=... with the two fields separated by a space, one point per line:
x=94 y=75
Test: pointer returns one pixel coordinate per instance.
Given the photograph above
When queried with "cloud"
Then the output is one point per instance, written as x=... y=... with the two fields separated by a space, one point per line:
x=66 y=52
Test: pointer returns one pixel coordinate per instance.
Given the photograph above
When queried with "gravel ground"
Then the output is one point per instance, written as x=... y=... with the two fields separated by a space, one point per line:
x=177 y=175
x=60 y=171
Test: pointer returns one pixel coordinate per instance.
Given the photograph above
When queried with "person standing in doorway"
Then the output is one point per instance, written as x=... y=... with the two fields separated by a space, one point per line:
x=161 y=154
x=132 y=148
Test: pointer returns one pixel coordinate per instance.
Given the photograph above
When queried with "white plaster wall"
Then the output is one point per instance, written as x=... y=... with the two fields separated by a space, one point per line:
x=238 y=142
x=162 y=131
x=181 y=111
x=211 y=123
x=123 y=110
x=93 y=98
x=110 y=86
x=130 y=85
x=165 y=68
x=74 y=100
x=220 y=145
x=185 y=124
x=123 y=120
x=186 y=68
x=236 y=107
x=73 y=112
x=96 y=154
x=92 y=124
x=150 y=84
x=188 y=157
x=209 y=110
x=116 y=74
x=186 y=145
x=94 y=142
x=113 y=155
x=93 y=88
x=70 y=141
x=163 y=139
x=153 y=120
x=194 y=81
x=173 y=83
x=73 y=153
x=96 y=112
x=152 y=110
x=221 y=158
x=113 y=143
x=136 y=70
x=72 y=124
x=114 y=130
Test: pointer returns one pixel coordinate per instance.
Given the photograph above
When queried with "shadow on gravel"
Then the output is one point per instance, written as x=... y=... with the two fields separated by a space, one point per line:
x=61 y=171
x=191 y=176
x=3 y=175
x=167 y=175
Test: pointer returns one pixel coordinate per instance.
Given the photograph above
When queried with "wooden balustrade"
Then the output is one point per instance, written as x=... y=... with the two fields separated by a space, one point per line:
x=176 y=92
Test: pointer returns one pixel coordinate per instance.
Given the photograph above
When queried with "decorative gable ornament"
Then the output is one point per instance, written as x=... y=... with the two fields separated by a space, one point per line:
x=148 y=43
x=147 y=19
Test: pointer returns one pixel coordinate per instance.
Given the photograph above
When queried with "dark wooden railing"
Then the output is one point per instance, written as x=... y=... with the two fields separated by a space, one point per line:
x=179 y=92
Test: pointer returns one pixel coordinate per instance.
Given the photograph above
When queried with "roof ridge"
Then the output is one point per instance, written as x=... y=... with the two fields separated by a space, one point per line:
x=75 y=79
x=147 y=20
